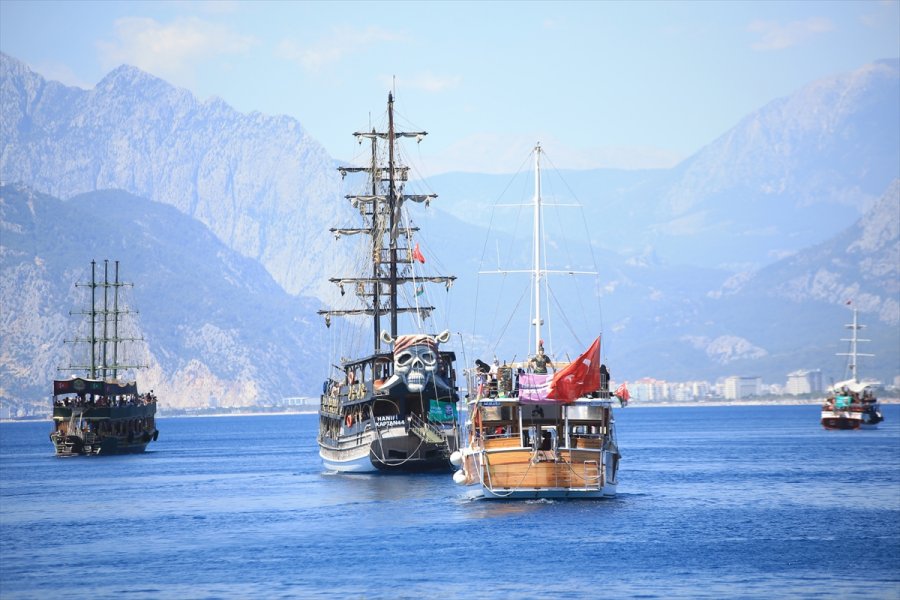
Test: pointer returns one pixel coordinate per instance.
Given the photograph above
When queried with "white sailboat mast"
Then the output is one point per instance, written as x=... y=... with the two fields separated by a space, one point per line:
x=536 y=241
x=854 y=341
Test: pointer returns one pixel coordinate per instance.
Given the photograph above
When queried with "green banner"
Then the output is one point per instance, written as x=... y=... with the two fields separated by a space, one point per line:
x=442 y=412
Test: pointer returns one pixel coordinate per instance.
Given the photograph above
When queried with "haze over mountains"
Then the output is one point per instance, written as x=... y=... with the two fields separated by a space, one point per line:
x=739 y=260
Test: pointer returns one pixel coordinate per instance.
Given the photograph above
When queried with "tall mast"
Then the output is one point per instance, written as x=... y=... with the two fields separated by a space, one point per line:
x=384 y=197
x=115 y=367
x=392 y=207
x=105 y=317
x=100 y=364
x=93 y=320
x=536 y=242
x=854 y=340
x=376 y=247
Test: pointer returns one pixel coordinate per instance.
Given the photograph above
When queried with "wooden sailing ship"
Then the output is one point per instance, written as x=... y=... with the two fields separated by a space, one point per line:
x=99 y=413
x=392 y=407
x=533 y=434
x=852 y=403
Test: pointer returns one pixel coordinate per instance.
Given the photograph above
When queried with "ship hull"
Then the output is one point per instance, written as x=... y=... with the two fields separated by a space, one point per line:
x=103 y=430
x=510 y=477
x=66 y=446
x=845 y=420
x=838 y=423
x=567 y=452
x=393 y=450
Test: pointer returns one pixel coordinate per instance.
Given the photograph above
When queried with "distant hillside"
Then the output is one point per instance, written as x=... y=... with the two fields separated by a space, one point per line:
x=216 y=324
x=737 y=261
x=259 y=182
x=792 y=313
x=788 y=176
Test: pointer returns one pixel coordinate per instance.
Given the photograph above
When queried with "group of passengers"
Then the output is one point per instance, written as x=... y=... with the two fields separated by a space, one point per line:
x=846 y=396
x=495 y=380
x=92 y=401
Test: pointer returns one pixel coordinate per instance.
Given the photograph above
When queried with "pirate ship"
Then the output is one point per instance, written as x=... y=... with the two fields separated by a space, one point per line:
x=393 y=406
x=100 y=413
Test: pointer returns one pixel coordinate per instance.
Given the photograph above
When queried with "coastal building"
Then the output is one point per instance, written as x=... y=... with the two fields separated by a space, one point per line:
x=804 y=382
x=299 y=402
x=648 y=389
x=737 y=387
x=688 y=391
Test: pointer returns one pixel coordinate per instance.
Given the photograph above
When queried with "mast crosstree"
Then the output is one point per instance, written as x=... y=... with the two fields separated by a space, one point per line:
x=104 y=344
x=391 y=260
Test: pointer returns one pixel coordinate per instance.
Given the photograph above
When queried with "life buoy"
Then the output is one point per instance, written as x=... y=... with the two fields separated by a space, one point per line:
x=349 y=420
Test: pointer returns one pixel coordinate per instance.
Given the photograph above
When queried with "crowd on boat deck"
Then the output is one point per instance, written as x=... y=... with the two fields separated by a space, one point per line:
x=845 y=397
x=501 y=380
x=107 y=401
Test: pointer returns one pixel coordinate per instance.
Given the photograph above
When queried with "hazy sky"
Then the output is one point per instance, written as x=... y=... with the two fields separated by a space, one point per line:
x=600 y=84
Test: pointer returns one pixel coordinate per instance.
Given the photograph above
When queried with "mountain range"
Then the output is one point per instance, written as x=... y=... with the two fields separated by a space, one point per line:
x=216 y=327
x=739 y=260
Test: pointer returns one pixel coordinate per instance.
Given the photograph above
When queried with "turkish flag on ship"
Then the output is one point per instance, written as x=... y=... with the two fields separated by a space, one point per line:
x=417 y=254
x=622 y=393
x=580 y=377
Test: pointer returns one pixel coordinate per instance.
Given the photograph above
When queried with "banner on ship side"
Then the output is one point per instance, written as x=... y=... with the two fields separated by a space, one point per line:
x=78 y=385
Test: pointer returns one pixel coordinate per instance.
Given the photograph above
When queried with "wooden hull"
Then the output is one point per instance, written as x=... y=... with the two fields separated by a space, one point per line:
x=521 y=473
x=524 y=451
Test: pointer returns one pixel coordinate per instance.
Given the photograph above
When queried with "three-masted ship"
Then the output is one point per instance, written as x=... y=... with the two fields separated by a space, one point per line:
x=532 y=433
x=852 y=403
x=394 y=407
x=99 y=413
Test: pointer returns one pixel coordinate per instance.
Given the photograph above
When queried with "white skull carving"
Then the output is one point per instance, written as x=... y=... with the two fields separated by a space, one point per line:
x=415 y=360
x=416 y=366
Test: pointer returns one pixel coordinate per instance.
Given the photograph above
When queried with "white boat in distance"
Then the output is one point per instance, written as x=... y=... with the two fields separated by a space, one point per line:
x=852 y=404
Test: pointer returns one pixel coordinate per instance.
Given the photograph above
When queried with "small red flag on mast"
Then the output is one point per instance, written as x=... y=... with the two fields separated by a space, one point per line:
x=417 y=254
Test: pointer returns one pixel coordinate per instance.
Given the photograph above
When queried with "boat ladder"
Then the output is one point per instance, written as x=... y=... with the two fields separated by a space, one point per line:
x=426 y=431
x=592 y=473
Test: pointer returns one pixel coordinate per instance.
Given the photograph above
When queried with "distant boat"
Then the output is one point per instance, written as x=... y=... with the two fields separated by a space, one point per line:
x=532 y=434
x=852 y=404
x=388 y=409
x=100 y=413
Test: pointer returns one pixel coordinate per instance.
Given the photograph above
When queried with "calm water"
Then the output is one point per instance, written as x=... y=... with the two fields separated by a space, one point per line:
x=715 y=502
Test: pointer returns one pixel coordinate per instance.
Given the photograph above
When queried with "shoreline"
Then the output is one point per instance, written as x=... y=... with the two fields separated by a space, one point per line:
x=632 y=404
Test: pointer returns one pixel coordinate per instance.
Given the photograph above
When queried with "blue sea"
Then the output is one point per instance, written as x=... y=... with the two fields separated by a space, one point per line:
x=714 y=502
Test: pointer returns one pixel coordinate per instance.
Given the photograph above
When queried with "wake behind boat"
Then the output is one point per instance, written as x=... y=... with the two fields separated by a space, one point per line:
x=389 y=409
x=533 y=434
x=100 y=413
x=852 y=404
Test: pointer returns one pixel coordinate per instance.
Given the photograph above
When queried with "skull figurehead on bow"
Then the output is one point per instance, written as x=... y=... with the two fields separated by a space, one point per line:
x=415 y=360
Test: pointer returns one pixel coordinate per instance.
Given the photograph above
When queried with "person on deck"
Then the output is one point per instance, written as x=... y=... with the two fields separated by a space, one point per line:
x=540 y=361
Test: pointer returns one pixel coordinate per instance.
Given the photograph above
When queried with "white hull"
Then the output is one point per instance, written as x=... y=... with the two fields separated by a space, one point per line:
x=361 y=464
x=608 y=491
x=390 y=449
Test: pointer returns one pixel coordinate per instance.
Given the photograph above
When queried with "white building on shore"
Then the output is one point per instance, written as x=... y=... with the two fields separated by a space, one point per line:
x=804 y=382
x=737 y=387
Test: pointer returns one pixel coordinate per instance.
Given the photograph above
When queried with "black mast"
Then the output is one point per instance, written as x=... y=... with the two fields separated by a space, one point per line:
x=376 y=248
x=393 y=206
x=386 y=204
x=99 y=359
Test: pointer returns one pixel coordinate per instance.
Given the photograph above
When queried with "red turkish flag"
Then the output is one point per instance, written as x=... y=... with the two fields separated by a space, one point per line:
x=580 y=377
